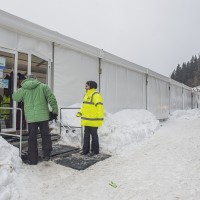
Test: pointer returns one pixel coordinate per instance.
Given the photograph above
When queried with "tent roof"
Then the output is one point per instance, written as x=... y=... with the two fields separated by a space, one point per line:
x=17 y=24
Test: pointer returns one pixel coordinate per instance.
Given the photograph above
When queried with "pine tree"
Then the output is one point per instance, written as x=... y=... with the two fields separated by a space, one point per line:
x=188 y=73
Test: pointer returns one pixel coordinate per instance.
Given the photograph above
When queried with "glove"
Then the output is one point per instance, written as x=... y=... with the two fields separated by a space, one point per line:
x=53 y=116
x=78 y=114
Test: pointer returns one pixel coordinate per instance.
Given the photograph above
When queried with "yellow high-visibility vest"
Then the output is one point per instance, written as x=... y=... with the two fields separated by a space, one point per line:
x=5 y=103
x=92 y=111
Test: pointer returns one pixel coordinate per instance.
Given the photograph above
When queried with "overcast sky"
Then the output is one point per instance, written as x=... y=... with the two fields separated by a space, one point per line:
x=156 y=34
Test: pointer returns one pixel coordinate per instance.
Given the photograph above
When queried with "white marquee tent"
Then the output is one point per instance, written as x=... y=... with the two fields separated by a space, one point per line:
x=66 y=64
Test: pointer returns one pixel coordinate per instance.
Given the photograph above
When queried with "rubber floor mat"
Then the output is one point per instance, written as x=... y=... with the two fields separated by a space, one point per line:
x=80 y=162
x=57 y=150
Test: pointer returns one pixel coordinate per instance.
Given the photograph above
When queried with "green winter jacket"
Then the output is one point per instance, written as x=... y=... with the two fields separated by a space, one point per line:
x=36 y=97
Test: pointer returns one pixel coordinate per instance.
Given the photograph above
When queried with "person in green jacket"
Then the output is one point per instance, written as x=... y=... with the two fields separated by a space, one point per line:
x=36 y=97
x=92 y=116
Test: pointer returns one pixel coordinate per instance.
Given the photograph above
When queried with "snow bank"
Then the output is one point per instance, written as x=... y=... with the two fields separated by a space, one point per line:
x=69 y=135
x=126 y=127
x=119 y=130
x=10 y=162
x=185 y=114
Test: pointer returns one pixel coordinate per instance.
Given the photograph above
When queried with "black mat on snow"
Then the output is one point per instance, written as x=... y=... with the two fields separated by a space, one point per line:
x=69 y=157
x=80 y=162
x=57 y=150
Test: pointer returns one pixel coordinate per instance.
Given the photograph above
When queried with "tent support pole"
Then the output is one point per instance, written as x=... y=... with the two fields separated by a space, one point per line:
x=100 y=72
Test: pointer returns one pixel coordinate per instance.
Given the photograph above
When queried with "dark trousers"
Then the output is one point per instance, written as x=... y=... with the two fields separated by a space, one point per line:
x=95 y=140
x=32 y=140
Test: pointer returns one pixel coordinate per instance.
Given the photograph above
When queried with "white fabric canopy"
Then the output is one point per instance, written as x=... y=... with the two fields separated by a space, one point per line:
x=122 y=88
x=71 y=71
x=123 y=84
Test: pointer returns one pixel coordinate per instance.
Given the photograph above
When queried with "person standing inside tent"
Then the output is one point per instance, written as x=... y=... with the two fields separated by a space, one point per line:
x=6 y=113
x=92 y=116
x=36 y=97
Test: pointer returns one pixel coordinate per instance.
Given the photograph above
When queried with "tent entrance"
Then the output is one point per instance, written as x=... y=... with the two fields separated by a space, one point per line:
x=33 y=64
x=7 y=65
x=14 y=66
x=40 y=68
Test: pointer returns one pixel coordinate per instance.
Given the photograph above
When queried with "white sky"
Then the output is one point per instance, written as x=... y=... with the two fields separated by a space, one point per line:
x=155 y=34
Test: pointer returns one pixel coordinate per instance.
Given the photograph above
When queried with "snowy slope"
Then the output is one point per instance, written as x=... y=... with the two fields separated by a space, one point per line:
x=164 y=166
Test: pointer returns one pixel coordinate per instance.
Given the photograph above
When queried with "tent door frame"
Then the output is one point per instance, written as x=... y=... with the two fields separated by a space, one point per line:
x=30 y=53
x=15 y=53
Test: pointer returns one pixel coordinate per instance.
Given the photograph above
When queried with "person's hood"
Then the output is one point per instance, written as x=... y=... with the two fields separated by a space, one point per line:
x=30 y=83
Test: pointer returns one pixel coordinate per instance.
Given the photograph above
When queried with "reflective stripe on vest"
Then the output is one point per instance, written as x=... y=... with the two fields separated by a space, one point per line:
x=91 y=119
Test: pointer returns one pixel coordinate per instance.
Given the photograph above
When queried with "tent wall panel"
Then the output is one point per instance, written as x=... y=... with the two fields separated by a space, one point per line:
x=197 y=95
x=158 y=97
x=195 y=100
x=22 y=43
x=122 y=88
x=187 y=99
x=8 y=39
x=176 y=98
x=26 y=44
x=71 y=71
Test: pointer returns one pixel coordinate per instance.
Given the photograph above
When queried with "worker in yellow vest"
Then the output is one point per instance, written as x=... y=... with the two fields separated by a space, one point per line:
x=92 y=116
x=5 y=113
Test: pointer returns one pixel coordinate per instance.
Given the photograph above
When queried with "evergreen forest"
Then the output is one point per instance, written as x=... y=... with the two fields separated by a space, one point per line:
x=188 y=73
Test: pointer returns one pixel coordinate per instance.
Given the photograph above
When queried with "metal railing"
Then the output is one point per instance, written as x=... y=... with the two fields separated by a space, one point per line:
x=69 y=126
x=20 y=131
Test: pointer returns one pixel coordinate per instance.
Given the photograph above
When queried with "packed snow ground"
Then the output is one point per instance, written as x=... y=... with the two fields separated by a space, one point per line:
x=150 y=161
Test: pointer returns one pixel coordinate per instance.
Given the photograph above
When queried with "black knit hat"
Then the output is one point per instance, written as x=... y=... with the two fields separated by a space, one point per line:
x=21 y=76
x=92 y=84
